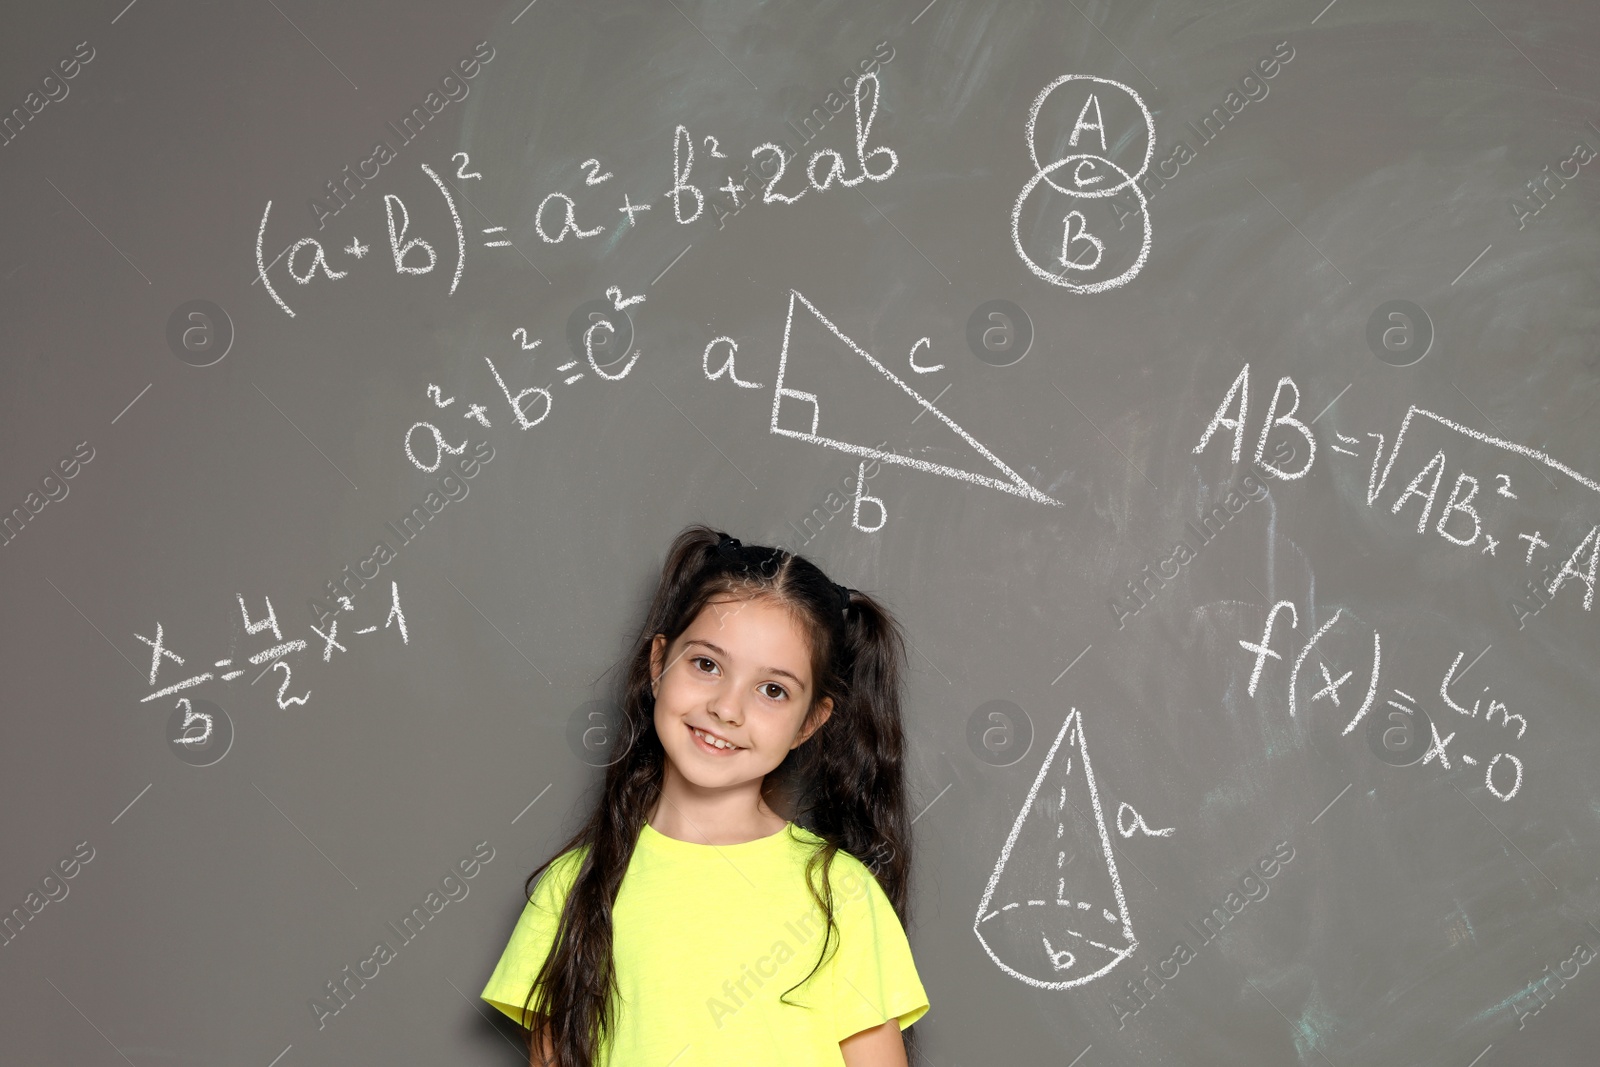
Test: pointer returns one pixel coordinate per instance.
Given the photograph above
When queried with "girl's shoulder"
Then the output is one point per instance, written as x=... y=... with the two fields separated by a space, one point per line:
x=851 y=879
x=561 y=872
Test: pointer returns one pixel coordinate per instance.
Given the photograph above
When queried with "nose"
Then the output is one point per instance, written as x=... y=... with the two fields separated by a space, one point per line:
x=724 y=707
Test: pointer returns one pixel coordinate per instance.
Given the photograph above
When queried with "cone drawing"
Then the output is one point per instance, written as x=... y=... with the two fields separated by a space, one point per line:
x=1053 y=913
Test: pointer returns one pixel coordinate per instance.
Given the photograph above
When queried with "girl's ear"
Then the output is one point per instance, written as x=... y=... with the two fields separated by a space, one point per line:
x=820 y=716
x=658 y=644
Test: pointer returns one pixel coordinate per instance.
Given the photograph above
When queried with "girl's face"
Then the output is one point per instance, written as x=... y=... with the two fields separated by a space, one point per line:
x=740 y=672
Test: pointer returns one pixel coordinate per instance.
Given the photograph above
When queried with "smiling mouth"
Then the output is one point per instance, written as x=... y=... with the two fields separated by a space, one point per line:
x=704 y=742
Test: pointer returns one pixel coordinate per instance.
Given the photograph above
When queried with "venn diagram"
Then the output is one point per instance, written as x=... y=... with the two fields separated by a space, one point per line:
x=1071 y=241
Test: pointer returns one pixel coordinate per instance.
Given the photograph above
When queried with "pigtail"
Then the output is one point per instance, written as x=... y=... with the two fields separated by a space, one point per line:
x=854 y=768
x=572 y=1000
x=857 y=777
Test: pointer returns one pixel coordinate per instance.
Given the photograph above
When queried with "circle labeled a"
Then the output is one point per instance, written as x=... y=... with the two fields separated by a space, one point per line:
x=1093 y=100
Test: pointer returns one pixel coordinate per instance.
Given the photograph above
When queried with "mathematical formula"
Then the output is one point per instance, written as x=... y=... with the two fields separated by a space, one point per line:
x=1480 y=511
x=558 y=214
x=274 y=657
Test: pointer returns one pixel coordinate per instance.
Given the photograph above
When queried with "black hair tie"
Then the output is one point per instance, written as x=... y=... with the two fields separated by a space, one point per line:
x=728 y=548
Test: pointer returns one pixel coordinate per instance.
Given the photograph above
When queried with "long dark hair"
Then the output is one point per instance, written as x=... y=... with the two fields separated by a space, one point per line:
x=846 y=783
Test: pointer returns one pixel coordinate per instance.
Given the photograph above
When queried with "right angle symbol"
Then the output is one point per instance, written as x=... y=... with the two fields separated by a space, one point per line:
x=1045 y=919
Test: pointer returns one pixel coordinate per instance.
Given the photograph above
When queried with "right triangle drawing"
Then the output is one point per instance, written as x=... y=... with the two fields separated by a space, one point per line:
x=1053 y=913
x=809 y=408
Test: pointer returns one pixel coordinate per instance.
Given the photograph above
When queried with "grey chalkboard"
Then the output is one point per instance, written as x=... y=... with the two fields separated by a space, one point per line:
x=1209 y=389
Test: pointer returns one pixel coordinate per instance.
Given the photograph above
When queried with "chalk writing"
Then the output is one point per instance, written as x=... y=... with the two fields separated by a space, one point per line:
x=1012 y=482
x=273 y=657
x=1445 y=501
x=558 y=213
x=1130 y=822
x=1502 y=772
x=522 y=402
x=1047 y=948
x=1088 y=171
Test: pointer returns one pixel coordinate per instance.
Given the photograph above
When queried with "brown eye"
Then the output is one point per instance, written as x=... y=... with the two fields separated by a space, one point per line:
x=782 y=692
x=702 y=659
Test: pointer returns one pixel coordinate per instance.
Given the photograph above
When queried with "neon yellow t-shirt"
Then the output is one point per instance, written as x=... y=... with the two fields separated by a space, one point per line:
x=706 y=938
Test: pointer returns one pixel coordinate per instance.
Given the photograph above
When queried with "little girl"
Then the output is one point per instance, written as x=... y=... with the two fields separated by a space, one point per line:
x=694 y=921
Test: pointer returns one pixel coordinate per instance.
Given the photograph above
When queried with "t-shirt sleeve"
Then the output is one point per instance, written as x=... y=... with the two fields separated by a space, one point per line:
x=532 y=938
x=874 y=977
